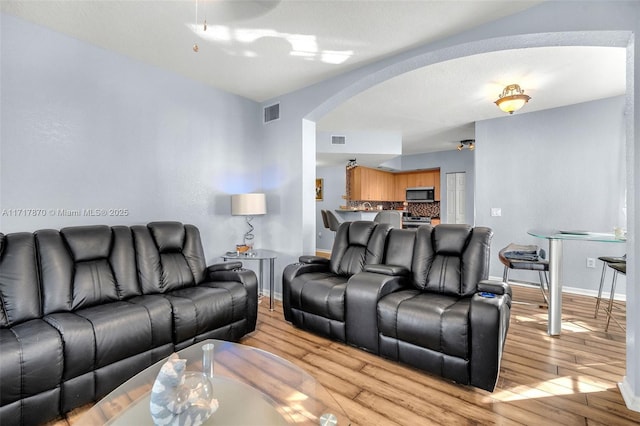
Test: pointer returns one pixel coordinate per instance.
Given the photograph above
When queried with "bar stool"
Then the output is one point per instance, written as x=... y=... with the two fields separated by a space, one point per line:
x=606 y=261
x=618 y=268
x=526 y=257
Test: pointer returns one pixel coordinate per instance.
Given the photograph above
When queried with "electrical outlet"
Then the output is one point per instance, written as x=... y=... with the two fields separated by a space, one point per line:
x=496 y=211
x=591 y=262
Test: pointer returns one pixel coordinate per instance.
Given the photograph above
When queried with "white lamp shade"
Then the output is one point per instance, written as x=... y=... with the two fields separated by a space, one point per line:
x=248 y=204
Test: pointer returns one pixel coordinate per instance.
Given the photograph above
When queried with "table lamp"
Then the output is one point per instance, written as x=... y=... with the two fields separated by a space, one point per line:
x=248 y=205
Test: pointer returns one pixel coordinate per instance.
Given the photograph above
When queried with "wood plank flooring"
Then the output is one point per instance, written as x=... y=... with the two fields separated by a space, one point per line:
x=566 y=380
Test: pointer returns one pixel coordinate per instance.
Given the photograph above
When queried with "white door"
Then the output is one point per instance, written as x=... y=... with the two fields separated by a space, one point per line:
x=456 y=195
x=461 y=193
x=451 y=198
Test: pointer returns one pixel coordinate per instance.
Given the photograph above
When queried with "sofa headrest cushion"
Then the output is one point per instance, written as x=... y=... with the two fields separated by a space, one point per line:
x=360 y=232
x=450 y=240
x=169 y=236
x=88 y=242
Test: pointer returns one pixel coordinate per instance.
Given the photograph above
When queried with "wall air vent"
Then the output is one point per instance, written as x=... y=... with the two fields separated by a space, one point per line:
x=272 y=113
x=338 y=140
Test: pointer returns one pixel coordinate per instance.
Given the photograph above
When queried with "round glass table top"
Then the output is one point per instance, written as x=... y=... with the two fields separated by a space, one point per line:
x=252 y=386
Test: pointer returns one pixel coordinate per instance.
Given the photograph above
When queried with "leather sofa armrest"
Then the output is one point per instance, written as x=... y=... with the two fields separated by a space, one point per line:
x=233 y=271
x=225 y=266
x=489 y=316
x=363 y=292
x=392 y=270
x=292 y=271
x=313 y=259
x=495 y=287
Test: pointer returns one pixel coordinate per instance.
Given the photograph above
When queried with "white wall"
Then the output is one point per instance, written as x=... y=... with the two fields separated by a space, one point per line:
x=562 y=168
x=85 y=128
x=360 y=142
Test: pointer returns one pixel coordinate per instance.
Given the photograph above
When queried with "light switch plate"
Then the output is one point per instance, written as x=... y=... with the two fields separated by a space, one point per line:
x=496 y=211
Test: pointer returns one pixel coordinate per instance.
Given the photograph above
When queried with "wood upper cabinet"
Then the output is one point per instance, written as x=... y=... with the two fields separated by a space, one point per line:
x=400 y=186
x=415 y=180
x=366 y=184
x=420 y=179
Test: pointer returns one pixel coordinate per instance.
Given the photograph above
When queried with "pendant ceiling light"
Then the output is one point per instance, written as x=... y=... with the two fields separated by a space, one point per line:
x=512 y=99
x=195 y=47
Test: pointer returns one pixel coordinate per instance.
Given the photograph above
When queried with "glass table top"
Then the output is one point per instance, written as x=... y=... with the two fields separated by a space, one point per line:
x=252 y=386
x=257 y=254
x=572 y=234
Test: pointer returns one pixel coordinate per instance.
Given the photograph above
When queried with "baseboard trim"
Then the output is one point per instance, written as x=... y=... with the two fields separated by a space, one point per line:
x=570 y=290
x=632 y=401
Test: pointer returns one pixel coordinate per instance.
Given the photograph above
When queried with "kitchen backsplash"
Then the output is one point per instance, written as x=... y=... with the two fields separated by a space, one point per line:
x=416 y=209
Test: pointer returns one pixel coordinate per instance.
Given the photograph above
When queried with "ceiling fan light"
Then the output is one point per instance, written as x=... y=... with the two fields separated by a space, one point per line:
x=512 y=99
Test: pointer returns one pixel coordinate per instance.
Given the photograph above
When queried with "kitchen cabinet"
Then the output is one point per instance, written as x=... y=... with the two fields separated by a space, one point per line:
x=400 y=186
x=417 y=179
x=366 y=184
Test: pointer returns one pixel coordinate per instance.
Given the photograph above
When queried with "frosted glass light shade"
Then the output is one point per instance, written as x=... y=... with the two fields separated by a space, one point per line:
x=512 y=99
x=248 y=204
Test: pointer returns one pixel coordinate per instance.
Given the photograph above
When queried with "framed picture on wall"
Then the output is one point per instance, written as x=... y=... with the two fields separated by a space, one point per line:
x=319 y=189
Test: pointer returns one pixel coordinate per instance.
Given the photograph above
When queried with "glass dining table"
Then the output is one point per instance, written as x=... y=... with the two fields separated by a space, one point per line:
x=556 y=239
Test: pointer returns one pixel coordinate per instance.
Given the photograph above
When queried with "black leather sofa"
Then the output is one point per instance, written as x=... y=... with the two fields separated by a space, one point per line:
x=425 y=301
x=314 y=290
x=85 y=308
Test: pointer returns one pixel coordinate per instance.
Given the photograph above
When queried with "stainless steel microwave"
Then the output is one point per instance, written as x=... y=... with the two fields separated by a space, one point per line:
x=423 y=194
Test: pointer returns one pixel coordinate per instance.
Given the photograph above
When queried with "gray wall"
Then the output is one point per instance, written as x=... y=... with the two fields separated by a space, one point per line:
x=84 y=128
x=562 y=168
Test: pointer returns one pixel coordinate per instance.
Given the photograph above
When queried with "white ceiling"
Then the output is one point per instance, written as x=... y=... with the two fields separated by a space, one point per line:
x=435 y=107
x=263 y=49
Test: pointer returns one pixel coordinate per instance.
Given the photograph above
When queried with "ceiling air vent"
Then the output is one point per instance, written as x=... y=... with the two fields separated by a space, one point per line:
x=272 y=113
x=338 y=140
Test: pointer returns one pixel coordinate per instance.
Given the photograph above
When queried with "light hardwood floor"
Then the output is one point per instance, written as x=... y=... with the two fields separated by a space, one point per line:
x=566 y=380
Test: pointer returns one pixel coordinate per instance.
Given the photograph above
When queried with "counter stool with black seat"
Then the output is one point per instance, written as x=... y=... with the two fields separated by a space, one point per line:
x=606 y=261
x=618 y=268
x=330 y=220
x=325 y=219
x=529 y=258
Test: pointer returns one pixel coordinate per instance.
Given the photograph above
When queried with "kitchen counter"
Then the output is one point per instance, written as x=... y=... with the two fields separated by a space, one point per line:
x=351 y=215
x=357 y=210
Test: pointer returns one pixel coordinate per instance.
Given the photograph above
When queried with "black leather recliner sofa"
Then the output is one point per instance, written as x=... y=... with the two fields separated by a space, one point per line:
x=85 y=308
x=427 y=303
x=314 y=289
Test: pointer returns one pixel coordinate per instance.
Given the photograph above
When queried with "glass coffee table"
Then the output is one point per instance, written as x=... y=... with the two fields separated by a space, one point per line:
x=252 y=386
